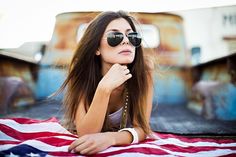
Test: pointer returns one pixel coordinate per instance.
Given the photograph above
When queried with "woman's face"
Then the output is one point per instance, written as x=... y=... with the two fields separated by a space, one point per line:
x=124 y=52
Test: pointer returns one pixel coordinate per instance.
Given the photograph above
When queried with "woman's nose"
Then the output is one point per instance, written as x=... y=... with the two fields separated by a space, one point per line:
x=125 y=40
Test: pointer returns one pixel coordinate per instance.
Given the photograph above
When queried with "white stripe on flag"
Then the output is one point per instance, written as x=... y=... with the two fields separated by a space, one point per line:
x=139 y=155
x=5 y=137
x=180 y=143
x=66 y=137
x=38 y=145
x=35 y=127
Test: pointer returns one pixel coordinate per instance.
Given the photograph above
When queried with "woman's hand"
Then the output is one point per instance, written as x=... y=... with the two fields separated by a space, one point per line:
x=115 y=77
x=92 y=143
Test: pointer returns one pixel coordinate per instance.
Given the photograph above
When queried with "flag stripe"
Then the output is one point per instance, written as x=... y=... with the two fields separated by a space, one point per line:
x=39 y=145
x=25 y=136
x=190 y=139
x=35 y=127
x=4 y=136
x=29 y=121
x=180 y=143
x=144 y=150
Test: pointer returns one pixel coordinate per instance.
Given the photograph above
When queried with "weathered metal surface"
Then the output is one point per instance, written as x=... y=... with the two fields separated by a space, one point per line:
x=17 y=68
x=49 y=81
x=171 y=50
x=64 y=39
x=172 y=86
x=16 y=84
x=214 y=94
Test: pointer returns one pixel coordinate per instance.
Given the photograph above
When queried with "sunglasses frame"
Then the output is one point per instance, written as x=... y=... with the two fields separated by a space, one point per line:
x=115 y=38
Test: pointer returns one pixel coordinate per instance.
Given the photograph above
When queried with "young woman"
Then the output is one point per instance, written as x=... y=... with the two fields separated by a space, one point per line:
x=109 y=87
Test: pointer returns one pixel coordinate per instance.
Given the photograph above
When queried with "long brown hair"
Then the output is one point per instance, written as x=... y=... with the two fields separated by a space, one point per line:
x=85 y=74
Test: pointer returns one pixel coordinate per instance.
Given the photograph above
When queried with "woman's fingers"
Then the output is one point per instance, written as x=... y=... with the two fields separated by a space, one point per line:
x=91 y=149
x=116 y=76
x=77 y=142
x=82 y=147
x=128 y=76
x=126 y=71
x=91 y=144
x=124 y=67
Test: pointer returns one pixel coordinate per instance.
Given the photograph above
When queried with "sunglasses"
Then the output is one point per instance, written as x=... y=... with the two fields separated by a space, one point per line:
x=115 y=38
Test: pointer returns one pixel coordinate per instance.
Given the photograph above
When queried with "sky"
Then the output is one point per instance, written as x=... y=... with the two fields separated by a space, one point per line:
x=33 y=20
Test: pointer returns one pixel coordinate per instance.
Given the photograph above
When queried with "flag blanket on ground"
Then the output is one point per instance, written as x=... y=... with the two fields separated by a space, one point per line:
x=36 y=138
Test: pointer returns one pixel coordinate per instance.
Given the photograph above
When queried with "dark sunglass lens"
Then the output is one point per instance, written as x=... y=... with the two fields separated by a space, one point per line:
x=135 y=39
x=114 y=38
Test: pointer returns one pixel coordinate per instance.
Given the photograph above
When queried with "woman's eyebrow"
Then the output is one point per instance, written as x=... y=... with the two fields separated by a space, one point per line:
x=128 y=30
x=114 y=30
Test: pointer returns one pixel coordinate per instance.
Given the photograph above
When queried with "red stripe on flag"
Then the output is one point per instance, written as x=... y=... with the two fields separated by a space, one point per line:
x=57 y=142
x=143 y=150
x=53 y=141
x=192 y=149
x=9 y=142
x=63 y=154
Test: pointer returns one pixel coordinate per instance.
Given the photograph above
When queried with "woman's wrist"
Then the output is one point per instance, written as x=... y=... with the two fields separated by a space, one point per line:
x=120 y=138
x=133 y=132
x=112 y=138
x=103 y=88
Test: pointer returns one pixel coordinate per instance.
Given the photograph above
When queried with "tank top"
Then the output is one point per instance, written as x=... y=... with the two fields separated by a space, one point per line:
x=116 y=117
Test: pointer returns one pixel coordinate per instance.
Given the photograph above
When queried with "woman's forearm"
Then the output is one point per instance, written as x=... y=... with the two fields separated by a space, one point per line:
x=94 y=118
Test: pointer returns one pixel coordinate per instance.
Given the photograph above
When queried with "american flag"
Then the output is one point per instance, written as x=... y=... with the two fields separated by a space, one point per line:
x=39 y=138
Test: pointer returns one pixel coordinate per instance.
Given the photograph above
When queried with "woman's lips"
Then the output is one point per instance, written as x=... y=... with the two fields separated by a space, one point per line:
x=125 y=52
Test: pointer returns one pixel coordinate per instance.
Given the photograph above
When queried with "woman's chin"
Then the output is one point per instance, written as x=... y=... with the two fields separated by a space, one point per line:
x=126 y=61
